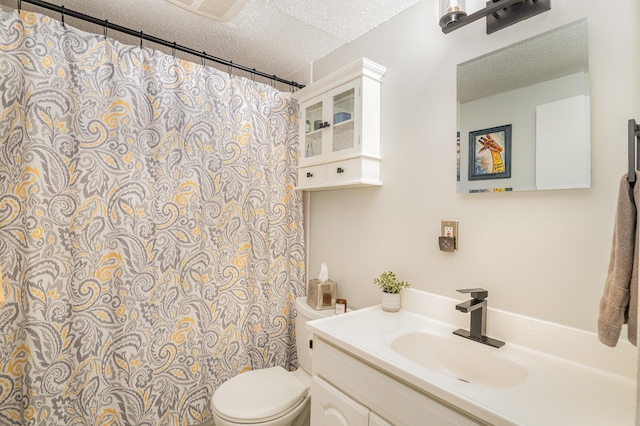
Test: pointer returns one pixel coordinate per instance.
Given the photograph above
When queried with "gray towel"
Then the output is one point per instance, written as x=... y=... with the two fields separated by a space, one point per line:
x=619 y=302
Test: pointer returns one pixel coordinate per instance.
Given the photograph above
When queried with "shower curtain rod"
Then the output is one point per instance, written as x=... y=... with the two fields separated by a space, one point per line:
x=108 y=25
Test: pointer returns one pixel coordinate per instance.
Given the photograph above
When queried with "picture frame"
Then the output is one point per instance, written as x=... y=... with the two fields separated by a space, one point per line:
x=490 y=153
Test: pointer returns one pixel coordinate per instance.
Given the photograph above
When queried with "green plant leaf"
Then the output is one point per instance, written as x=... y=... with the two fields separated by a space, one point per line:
x=388 y=282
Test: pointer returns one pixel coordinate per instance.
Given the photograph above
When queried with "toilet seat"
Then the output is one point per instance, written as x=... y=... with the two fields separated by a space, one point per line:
x=258 y=396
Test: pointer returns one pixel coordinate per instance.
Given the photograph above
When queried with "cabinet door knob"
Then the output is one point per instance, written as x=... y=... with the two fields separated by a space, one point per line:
x=340 y=170
x=309 y=174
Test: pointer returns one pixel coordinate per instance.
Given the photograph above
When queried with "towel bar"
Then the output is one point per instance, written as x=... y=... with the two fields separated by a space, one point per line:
x=634 y=150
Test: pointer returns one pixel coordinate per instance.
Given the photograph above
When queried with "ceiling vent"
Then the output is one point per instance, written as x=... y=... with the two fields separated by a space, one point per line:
x=219 y=10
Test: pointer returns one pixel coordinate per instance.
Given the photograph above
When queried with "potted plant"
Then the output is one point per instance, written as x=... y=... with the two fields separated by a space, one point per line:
x=391 y=287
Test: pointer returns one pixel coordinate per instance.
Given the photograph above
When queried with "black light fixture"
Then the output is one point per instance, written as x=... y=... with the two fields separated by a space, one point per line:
x=499 y=13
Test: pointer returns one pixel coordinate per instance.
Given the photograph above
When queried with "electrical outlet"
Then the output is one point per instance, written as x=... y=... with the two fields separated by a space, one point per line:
x=449 y=228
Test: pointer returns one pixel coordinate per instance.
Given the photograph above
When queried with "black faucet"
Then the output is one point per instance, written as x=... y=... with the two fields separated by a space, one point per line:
x=477 y=306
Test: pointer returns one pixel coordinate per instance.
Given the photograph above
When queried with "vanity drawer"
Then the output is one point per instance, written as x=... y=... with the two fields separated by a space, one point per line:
x=381 y=393
x=312 y=175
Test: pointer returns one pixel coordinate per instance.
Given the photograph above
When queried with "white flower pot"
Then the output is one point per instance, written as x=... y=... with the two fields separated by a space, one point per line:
x=390 y=302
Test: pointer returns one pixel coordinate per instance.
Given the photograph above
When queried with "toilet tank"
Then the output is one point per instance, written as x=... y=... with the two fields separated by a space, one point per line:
x=306 y=313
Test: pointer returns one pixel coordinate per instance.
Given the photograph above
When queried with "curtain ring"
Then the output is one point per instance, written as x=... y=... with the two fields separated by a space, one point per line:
x=19 y=5
x=204 y=54
x=173 y=50
x=141 y=38
x=230 y=68
x=62 y=15
x=253 y=75
x=105 y=27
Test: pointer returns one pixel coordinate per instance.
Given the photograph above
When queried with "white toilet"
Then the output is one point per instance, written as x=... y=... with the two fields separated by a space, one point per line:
x=271 y=396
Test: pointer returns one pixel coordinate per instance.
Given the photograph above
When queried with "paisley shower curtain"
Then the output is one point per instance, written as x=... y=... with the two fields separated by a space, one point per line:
x=150 y=236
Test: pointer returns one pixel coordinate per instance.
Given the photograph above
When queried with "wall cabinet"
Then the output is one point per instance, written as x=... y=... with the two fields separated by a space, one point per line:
x=340 y=128
x=346 y=389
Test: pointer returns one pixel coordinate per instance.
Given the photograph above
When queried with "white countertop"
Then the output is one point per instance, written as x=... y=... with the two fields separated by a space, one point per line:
x=556 y=391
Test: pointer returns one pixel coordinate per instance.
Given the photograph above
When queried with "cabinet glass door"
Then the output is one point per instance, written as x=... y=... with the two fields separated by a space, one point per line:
x=313 y=131
x=344 y=114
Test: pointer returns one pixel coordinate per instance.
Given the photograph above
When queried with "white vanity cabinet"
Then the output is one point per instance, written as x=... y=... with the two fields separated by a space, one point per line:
x=349 y=391
x=330 y=407
x=375 y=420
x=339 y=128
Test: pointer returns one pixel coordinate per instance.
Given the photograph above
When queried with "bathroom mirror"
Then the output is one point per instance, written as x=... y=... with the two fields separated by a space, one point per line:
x=523 y=115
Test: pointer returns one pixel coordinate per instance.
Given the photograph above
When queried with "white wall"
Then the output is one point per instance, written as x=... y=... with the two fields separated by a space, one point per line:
x=542 y=254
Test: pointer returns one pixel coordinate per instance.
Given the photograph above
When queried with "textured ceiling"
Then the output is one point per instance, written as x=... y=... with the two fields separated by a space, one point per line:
x=548 y=56
x=277 y=37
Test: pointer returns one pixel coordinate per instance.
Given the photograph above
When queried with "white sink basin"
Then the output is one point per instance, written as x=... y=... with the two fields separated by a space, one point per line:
x=460 y=358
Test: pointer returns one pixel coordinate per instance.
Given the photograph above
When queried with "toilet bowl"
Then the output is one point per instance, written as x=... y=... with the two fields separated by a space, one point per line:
x=271 y=396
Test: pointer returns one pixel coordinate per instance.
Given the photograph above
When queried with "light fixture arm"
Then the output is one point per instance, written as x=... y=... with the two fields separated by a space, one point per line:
x=501 y=14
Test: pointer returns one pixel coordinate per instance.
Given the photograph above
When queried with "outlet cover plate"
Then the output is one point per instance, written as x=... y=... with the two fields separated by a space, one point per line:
x=444 y=230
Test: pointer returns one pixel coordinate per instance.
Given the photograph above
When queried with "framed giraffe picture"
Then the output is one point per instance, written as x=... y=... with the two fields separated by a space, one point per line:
x=490 y=153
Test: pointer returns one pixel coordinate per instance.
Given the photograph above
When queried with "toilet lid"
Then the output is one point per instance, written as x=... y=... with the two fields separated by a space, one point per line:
x=258 y=395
